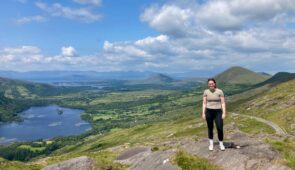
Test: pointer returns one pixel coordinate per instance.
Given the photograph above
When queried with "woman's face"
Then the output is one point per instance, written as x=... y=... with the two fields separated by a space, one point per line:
x=211 y=85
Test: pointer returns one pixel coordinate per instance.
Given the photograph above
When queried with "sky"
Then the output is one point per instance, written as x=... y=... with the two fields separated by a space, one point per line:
x=168 y=36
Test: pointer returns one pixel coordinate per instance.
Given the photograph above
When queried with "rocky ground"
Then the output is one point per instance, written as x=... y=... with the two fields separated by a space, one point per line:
x=252 y=154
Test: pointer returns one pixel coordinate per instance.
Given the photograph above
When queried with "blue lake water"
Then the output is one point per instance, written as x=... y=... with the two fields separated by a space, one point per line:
x=43 y=123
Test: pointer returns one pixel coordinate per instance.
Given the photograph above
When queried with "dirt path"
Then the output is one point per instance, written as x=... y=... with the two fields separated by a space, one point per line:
x=278 y=129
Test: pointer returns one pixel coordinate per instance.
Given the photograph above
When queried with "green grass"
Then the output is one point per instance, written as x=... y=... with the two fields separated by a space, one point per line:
x=163 y=119
x=34 y=149
x=275 y=104
x=190 y=162
x=16 y=165
x=287 y=149
x=250 y=126
x=103 y=117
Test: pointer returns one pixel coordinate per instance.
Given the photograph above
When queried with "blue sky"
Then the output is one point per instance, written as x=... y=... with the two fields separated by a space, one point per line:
x=147 y=35
x=119 y=22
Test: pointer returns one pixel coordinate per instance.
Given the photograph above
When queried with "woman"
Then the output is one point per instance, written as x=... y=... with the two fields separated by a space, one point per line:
x=214 y=109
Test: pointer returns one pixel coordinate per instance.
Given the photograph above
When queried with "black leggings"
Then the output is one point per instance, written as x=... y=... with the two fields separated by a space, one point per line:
x=211 y=115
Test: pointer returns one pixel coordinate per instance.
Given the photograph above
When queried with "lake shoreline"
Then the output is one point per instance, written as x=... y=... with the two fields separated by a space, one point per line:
x=69 y=123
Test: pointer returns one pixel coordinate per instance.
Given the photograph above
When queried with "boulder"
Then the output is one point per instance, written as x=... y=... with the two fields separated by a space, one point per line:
x=79 y=163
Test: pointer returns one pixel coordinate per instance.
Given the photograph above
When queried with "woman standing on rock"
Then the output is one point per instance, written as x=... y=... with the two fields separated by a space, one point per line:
x=214 y=109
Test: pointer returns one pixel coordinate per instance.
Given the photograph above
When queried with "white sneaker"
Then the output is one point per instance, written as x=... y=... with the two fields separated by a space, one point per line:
x=222 y=147
x=210 y=147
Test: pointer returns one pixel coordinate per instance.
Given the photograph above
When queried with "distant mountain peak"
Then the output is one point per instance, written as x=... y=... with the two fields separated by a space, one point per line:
x=160 y=77
x=240 y=75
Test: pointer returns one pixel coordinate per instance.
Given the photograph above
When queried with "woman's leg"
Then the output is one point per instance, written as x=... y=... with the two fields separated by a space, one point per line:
x=219 y=124
x=210 y=124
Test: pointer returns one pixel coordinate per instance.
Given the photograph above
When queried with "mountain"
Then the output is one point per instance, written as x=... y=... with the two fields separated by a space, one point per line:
x=73 y=76
x=264 y=73
x=12 y=88
x=16 y=95
x=240 y=75
x=153 y=79
x=159 y=78
x=278 y=78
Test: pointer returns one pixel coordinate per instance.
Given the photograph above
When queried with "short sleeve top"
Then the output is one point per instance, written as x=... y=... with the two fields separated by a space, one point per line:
x=213 y=98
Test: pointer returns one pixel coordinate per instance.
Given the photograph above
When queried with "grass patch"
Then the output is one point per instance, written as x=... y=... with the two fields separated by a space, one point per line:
x=250 y=126
x=34 y=149
x=16 y=165
x=287 y=149
x=190 y=162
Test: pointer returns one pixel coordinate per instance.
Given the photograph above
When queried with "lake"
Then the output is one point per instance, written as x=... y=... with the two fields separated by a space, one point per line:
x=43 y=123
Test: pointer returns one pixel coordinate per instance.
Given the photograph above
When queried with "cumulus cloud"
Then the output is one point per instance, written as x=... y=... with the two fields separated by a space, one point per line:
x=81 y=14
x=68 y=51
x=169 y=19
x=221 y=15
x=215 y=34
x=152 y=40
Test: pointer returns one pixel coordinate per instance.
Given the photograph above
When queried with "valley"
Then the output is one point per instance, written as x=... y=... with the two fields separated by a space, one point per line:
x=150 y=114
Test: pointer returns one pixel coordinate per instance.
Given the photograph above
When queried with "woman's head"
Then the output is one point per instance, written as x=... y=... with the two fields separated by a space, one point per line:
x=211 y=83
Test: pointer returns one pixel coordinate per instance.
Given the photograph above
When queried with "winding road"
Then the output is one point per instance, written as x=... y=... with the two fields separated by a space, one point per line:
x=277 y=128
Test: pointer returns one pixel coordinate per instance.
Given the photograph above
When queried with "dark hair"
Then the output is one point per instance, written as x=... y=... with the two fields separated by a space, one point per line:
x=212 y=79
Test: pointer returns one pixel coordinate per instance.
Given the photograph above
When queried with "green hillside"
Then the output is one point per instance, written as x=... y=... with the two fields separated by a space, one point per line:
x=16 y=89
x=240 y=75
x=278 y=78
x=177 y=117
x=16 y=96
x=276 y=104
x=151 y=117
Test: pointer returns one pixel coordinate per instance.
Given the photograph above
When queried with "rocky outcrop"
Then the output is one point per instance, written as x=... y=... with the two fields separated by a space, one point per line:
x=252 y=153
x=145 y=159
x=80 y=163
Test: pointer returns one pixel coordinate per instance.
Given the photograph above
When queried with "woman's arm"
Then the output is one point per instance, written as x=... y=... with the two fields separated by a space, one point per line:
x=223 y=107
x=204 y=107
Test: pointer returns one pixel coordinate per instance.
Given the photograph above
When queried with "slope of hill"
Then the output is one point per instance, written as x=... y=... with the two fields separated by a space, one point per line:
x=240 y=75
x=280 y=77
x=276 y=104
x=25 y=89
x=16 y=95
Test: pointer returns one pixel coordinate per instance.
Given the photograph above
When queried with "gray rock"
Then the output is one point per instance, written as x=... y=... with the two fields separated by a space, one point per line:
x=252 y=154
x=141 y=158
x=80 y=163
x=159 y=160
x=133 y=155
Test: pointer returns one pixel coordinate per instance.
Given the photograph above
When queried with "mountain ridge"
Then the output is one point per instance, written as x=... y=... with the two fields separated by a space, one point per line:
x=240 y=75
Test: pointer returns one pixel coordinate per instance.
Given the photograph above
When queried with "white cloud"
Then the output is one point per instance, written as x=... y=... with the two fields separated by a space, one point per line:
x=221 y=15
x=28 y=19
x=217 y=15
x=213 y=35
x=169 y=19
x=22 y=50
x=68 y=51
x=81 y=14
x=125 y=48
x=152 y=40
x=92 y=2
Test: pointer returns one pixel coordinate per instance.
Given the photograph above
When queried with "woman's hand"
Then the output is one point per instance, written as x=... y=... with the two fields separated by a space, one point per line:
x=223 y=115
x=203 y=116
